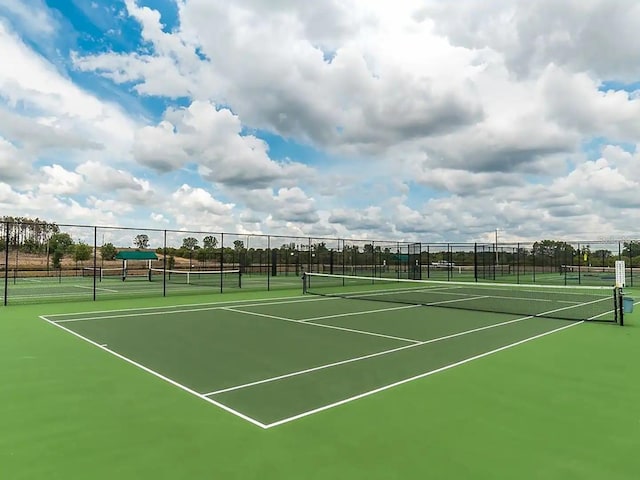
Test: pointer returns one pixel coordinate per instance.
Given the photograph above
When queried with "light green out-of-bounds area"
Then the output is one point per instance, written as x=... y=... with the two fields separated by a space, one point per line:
x=276 y=385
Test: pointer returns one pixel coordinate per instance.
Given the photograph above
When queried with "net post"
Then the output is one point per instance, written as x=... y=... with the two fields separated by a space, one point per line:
x=621 y=302
x=305 y=283
x=619 y=305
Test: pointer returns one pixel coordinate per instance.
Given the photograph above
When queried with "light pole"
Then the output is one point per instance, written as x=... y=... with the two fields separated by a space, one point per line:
x=497 y=247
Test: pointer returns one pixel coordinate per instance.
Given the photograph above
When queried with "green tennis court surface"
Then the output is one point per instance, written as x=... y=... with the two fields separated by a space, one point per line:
x=272 y=362
x=291 y=386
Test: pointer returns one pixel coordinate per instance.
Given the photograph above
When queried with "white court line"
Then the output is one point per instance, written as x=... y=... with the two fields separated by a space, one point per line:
x=416 y=377
x=159 y=375
x=80 y=295
x=135 y=309
x=165 y=312
x=364 y=357
x=97 y=288
x=332 y=327
x=456 y=300
x=361 y=312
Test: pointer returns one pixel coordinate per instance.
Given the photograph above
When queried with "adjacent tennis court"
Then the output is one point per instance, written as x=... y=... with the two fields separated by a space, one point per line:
x=114 y=283
x=274 y=361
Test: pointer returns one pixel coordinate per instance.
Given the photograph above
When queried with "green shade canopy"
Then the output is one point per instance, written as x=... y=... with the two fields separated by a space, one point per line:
x=136 y=255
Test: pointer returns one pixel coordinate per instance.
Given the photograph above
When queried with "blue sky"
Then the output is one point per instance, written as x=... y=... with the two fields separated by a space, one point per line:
x=428 y=120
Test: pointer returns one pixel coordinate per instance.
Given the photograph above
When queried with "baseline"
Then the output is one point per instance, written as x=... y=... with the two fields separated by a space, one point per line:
x=163 y=307
x=143 y=313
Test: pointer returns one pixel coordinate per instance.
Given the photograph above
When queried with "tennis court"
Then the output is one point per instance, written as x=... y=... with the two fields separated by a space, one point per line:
x=274 y=361
x=109 y=283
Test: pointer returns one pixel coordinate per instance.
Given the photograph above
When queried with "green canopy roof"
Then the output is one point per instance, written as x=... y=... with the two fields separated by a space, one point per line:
x=136 y=255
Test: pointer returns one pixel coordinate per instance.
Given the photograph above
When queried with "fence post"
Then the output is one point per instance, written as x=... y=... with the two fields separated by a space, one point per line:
x=475 y=261
x=270 y=271
x=95 y=260
x=518 y=262
x=533 y=262
x=164 y=265
x=630 y=262
x=6 y=262
x=221 y=259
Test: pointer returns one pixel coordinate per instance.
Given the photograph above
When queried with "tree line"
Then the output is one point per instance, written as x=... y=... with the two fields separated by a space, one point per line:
x=36 y=236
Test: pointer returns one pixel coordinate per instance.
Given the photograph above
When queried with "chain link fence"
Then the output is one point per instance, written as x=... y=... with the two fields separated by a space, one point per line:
x=44 y=262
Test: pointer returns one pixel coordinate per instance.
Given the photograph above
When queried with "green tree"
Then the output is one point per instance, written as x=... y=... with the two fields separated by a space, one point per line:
x=141 y=241
x=554 y=248
x=189 y=243
x=631 y=249
x=108 y=251
x=81 y=252
x=238 y=245
x=320 y=247
x=209 y=242
x=59 y=245
x=202 y=254
x=600 y=257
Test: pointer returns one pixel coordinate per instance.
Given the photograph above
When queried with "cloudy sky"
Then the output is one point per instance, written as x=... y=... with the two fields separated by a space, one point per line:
x=434 y=120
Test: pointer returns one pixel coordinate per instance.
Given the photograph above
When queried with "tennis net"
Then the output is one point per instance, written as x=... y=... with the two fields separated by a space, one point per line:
x=207 y=278
x=561 y=302
x=101 y=273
